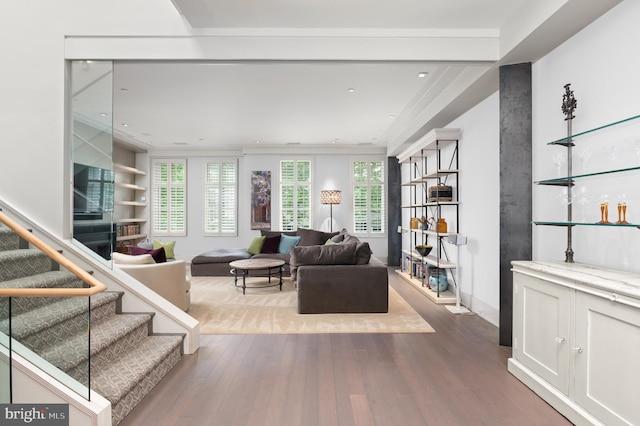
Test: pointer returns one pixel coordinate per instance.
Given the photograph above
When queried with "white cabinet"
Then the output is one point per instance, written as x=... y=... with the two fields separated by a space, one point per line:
x=577 y=339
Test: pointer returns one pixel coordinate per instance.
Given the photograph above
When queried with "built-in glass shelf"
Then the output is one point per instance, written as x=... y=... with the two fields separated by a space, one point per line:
x=622 y=225
x=569 y=139
x=568 y=181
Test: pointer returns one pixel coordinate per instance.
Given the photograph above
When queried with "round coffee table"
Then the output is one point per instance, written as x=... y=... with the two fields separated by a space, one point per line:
x=243 y=267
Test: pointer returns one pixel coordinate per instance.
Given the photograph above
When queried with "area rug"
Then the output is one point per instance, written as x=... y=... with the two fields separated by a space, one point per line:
x=221 y=308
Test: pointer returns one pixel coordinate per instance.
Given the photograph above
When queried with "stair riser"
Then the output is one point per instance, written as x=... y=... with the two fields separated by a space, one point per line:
x=22 y=263
x=40 y=340
x=121 y=408
x=9 y=240
x=21 y=305
x=111 y=352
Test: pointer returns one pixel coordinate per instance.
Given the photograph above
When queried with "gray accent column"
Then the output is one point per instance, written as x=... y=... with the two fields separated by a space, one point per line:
x=515 y=183
x=394 y=213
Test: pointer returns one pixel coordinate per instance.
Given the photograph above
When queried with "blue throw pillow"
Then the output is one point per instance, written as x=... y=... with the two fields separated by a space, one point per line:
x=286 y=242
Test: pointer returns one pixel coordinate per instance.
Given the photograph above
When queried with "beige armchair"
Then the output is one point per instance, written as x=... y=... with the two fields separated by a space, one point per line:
x=169 y=279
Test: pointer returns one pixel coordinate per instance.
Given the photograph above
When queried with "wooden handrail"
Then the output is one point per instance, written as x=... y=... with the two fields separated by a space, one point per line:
x=95 y=286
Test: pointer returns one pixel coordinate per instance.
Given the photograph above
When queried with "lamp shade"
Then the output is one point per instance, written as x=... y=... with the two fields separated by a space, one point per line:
x=331 y=196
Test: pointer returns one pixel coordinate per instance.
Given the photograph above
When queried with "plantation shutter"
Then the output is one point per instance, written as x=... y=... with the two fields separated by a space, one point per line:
x=369 y=209
x=221 y=187
x=169 y=191
x=295 y=194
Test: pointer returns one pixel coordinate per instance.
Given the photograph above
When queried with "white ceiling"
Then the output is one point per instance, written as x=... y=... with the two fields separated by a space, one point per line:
x=304 y=103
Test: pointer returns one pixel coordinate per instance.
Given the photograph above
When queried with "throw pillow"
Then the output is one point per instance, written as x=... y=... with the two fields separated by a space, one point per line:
x=337 y=238
x=158 y=254
x=168 y=248
x=332 y=243
x=271 y=244
x=125 y=259
x=310 y=237
x=256 y=245
x=286 y=242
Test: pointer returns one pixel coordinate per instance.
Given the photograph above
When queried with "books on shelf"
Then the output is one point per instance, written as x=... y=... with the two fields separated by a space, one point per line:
x=126 y=230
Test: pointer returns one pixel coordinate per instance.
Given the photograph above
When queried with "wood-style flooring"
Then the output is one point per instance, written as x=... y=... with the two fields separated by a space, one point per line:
x=456 y=376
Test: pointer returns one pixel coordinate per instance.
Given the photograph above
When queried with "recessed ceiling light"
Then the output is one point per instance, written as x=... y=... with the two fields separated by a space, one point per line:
x=257 y=141
x=180 y=143
x=125 y=124
x=124 y=90
x=423 y=74
x=392 y=116
x=103 y=114
x=351 y=90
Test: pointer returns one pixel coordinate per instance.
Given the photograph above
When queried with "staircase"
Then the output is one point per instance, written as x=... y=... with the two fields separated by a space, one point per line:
x=127 y=360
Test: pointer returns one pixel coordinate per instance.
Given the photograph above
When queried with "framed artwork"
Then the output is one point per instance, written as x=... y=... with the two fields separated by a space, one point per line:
x=261 y=200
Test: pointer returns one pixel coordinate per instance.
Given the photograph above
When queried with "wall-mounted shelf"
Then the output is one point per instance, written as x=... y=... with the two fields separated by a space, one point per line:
x=131 y=203
x=569 y=181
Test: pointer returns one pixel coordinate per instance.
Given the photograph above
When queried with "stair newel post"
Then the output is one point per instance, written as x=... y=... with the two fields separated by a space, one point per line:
x=569 y=104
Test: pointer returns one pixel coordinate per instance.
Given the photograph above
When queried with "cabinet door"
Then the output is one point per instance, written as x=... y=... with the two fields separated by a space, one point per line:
x=542 y=326
x=608 y=365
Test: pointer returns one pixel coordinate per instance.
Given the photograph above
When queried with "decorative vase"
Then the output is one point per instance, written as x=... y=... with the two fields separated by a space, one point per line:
x=438 y=282
x=424 y=250
x=441 y=226
x=414 y=223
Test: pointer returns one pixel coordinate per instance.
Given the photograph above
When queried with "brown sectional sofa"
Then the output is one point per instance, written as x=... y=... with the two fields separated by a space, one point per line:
x=340 y=276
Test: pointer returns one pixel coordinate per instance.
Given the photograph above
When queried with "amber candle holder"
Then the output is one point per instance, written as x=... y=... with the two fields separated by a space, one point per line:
x=622 y=213
x=604 y=213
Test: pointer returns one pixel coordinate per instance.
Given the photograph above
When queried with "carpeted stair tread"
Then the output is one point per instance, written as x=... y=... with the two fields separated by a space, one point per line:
x=66 y=355
x=32 y=322
x=49 y=279
x=9 y=240
x=131 y=368
x=22 y=262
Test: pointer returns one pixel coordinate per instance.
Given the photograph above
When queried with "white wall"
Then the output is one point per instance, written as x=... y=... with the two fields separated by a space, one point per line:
x=480 y=208
x=603 y=73
x=329 y=172
x=32 y=106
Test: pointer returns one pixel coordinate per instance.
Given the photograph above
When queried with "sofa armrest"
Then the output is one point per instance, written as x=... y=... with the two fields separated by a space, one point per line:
x=170 y=280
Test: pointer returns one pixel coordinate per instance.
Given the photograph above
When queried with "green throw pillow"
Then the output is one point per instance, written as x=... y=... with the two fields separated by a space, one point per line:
x=168 y=248
x=256 y=245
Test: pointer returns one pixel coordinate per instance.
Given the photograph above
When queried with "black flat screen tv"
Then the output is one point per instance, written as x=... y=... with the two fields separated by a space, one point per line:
x=93 y=189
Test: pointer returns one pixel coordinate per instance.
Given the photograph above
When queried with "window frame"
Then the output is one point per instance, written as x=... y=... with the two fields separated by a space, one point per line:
x=220 y=185
x=368 y=184
x=295 y=184
x=154 y=185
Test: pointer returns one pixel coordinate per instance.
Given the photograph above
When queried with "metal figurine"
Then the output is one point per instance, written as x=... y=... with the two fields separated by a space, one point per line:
x=569 y=105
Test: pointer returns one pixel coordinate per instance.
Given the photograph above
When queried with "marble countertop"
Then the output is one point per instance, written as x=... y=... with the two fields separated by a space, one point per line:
x=609 y=280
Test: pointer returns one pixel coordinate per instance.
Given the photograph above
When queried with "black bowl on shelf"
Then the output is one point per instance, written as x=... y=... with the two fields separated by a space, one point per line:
x=424 y=250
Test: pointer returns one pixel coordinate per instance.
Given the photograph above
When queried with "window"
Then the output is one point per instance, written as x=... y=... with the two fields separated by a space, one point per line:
x=295 y=194
x=369 y=211
x=169 y=189
x=220 y=198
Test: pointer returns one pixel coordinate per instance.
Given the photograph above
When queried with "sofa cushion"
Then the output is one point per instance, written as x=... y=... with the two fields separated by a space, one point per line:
x=310 y=237
x=337 y=254
x=168 y=248
x=271 y=244
x=221 y=256
x=126 y=259
x=159 y=255
x=286 y=242
x=256 y=245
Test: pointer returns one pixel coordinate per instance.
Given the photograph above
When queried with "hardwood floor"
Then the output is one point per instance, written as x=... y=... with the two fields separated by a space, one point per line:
x=456 y=376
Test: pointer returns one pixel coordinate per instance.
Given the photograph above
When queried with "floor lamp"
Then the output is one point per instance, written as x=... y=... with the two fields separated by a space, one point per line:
x=331 y=197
